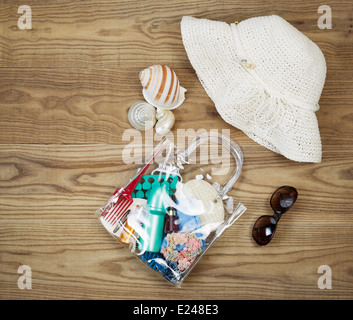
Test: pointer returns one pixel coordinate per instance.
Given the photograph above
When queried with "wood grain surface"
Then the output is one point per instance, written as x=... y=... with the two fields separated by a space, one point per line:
x=65 y=89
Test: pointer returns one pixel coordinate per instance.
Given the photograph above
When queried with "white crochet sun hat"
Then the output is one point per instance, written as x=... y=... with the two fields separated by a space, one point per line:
x=265 y=78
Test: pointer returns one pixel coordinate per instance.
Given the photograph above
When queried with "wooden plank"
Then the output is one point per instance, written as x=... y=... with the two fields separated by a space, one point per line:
x=91 y=106
x=44 y=183
x=70 y=262
x=71 y=34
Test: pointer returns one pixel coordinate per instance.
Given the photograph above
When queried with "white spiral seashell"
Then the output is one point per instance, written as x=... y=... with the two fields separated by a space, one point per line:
x=165 y=121
x=142 y=116
x=161 y=87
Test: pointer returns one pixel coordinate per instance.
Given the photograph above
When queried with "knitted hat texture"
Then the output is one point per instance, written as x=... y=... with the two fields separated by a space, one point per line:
x=265 y=78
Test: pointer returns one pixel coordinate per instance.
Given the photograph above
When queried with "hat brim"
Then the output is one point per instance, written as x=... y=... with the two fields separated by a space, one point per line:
x=213 y=53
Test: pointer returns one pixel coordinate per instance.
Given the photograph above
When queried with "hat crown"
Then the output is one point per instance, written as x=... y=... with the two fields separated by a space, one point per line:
x=284 y=58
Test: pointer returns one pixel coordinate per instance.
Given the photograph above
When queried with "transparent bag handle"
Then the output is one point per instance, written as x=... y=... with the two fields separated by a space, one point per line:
x=232 y=147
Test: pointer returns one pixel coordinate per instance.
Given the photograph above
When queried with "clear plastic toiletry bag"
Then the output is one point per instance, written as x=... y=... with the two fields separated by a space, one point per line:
x=175 y=207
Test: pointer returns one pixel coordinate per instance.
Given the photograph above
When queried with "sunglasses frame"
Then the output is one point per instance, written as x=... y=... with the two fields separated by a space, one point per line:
x=276 y=216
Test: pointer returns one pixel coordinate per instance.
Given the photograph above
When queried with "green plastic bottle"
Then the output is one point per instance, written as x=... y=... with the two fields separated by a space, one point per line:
x=155 y=216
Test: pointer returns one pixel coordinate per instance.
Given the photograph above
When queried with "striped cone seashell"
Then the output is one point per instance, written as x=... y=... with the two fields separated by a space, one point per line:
x=161 y=87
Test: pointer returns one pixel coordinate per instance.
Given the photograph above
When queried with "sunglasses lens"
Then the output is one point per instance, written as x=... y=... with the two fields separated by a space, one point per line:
x=264 y=229
x=283 y=199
